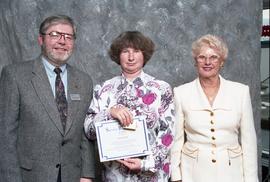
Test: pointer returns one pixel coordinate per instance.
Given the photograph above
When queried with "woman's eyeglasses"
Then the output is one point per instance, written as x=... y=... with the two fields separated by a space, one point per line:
x=212 y=59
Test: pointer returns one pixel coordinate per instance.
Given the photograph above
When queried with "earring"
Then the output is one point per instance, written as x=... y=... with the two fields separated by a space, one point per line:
x=221 y=64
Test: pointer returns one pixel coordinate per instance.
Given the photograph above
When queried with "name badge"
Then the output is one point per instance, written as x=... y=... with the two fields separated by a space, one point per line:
x=75 y=97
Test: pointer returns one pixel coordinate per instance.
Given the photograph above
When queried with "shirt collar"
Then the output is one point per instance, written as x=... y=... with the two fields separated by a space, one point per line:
x=136 y=81
x=50 y=68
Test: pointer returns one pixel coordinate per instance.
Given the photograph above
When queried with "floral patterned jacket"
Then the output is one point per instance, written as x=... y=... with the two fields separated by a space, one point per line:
x=144 y=96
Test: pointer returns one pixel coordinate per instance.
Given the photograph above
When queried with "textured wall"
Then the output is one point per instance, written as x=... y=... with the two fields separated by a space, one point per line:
x=172 y=24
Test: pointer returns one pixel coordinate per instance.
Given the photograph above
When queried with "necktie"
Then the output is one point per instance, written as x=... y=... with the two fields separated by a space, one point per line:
x=60 y=97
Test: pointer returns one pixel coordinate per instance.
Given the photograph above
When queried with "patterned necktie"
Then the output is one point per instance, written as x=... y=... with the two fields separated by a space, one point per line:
x=60 y=97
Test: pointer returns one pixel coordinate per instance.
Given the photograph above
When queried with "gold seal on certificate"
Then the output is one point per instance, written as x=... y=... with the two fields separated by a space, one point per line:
x=116 y=142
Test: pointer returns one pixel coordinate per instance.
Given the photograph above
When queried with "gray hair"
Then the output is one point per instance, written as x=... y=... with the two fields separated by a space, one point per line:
x=57 y=19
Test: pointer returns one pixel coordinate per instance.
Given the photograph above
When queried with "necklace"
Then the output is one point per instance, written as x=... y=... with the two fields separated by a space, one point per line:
x=211 y=91
x=210 y=98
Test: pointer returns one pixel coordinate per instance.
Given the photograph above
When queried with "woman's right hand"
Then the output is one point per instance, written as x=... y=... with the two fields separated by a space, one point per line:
x=122 y=114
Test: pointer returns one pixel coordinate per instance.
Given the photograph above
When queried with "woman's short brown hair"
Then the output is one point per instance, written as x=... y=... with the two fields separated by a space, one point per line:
x=212 y=41
x=131 y=39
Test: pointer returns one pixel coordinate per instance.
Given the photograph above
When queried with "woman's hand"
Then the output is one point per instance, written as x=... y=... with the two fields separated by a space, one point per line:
x=122 y=114
x=85 y=180
x=133 y=164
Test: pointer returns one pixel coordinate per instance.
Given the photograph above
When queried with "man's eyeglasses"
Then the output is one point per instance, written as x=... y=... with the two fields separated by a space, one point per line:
x=212 y=59
x=58 y=35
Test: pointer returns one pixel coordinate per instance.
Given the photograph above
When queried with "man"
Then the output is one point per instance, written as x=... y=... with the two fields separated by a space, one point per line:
x=42 y=111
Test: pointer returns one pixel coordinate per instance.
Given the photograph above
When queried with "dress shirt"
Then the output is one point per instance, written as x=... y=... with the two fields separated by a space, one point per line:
x=52 y=76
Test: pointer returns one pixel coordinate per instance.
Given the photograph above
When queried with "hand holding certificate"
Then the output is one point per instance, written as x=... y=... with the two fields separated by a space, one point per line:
x=115 y=142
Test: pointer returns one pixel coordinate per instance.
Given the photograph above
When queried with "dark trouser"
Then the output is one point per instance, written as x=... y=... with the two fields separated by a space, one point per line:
x=59 y=175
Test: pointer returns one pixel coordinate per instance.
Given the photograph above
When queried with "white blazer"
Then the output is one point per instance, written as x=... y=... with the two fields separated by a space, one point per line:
x=207 y=146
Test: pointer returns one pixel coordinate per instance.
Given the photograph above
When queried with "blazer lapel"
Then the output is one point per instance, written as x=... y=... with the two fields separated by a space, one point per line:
x=43 y=89
x=221 y=100
x=73 y=104
x=199 y=101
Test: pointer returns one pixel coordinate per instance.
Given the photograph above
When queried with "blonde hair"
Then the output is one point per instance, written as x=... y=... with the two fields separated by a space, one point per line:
x=213 y=42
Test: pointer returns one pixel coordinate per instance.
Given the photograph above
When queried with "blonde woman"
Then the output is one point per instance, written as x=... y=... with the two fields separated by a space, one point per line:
x=212 y=112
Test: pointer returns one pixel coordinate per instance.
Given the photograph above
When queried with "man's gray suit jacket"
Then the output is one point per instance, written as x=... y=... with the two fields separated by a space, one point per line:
x=33 y=144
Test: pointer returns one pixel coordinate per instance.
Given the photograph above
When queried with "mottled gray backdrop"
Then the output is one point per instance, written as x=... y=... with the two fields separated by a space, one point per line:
x=172 y=24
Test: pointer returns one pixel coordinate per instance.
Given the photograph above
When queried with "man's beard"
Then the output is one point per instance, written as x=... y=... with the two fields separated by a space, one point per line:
x=55 y=57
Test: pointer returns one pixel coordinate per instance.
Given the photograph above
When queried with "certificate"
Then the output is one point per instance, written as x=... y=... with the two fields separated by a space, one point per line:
x=115 y=142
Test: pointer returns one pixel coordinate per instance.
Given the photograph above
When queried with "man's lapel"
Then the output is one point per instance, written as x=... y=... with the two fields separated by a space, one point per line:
x=43 y=89
x=73 y=97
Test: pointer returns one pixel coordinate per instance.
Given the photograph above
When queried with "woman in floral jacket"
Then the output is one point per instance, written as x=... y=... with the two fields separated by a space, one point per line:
x=135 y=93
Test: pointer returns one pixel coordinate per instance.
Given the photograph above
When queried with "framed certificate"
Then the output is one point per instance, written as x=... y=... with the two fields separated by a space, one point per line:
x=115 y=142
